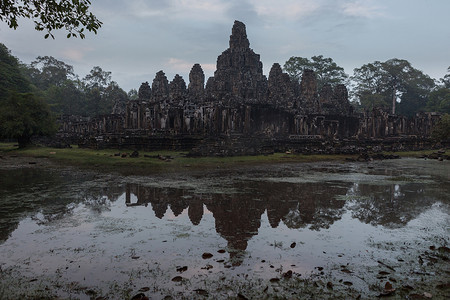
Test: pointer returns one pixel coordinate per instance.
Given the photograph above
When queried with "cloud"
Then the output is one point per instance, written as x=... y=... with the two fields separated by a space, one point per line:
x=362 y=9
x=180 y=9
x=285 y=9
x=183 y=66
x=75 y=54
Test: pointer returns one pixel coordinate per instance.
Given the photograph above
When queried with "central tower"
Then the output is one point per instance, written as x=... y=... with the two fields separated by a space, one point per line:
x=239 y=73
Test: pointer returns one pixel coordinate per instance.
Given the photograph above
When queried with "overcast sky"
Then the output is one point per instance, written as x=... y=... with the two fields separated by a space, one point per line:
x=138 y=38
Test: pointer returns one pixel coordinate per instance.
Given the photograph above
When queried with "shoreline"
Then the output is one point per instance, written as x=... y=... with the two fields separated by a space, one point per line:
x=123 y=162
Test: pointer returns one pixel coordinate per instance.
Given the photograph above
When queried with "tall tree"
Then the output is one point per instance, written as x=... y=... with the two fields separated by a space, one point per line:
x=99 y=90
x=386 y=83
x=67 y=99
x=439 y=98
x=97 y=78
x=442 y=130
x=72 y=15
x=46 y=71
x=133 y=94
x=446 y=79
x=23 y=116
x=326 y=70
x=11 y=78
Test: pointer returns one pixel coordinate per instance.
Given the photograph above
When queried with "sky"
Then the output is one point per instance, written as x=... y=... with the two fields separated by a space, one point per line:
x=139 y=38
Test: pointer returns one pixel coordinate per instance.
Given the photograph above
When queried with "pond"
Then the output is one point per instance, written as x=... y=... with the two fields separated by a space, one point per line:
x=325 y=230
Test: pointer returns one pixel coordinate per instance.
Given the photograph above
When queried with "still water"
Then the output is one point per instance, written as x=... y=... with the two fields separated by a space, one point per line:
x=225 y=233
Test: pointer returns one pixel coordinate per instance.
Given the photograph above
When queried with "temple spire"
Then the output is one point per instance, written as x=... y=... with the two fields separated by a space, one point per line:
x=238 y=38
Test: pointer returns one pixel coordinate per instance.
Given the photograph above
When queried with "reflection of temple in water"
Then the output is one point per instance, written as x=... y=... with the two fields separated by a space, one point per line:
x=238 y=216
x=314 y=206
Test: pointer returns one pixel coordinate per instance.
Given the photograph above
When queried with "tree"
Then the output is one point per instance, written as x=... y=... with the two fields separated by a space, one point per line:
x=96 y=84
x=442 y=130
x=326 y=70
x=46 y=71
x=97 y=78
x=49 y=15
x=133 y=94
x=446 y=79
x=11 y=77
x=66 y=99
x=384 y=83
x=24 y=115
x=439 y=100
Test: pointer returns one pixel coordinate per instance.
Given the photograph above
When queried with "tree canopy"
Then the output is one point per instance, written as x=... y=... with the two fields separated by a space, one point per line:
x=326 y=70
x=384 y=84
x=48 y=15
x=24 y=115
x=11 y=77
x=446 y=79
x=442 y=130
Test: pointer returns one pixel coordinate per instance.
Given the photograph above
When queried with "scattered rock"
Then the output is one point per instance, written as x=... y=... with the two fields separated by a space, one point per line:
x=388 y=290
x=177 y=279
x=207 y=267
x=242 y=297
x=207 y=255
x=201 y=292
x=288 y=274
x=182 y=269
x=140 y=296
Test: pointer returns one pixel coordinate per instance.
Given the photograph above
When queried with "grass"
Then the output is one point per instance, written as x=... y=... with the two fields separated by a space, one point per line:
x=106 y=160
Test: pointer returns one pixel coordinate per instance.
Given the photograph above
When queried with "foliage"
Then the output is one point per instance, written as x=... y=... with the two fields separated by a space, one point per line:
x=133 y=94
x=439 y=100
x=10 y=76
x=326 y=70
x=446 y=79
x=56 y=81
x=49 y=15
x=66 y=99
x=379 y=83
x=23 y=116
x=47 y=71
x=102 y=93
x=97 y=78
x=442 y=130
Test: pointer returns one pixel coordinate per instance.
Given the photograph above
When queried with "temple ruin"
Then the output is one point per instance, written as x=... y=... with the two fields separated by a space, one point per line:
x=241 y=111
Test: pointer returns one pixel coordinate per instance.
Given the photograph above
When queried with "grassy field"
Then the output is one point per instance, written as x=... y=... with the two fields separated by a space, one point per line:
x=108 y=160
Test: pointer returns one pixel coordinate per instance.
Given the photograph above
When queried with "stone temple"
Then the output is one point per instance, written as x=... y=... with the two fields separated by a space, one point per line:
x=241 y=111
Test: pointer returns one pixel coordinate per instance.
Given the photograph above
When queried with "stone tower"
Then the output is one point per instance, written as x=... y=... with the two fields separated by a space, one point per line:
x=239 y=75
x=309 y=99
x=196 y=87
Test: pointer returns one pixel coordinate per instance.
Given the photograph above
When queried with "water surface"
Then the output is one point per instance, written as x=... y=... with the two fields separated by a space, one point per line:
x=79 y=234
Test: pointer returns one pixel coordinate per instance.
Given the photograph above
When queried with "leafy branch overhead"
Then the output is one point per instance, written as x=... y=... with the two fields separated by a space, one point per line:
x=48 y=15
